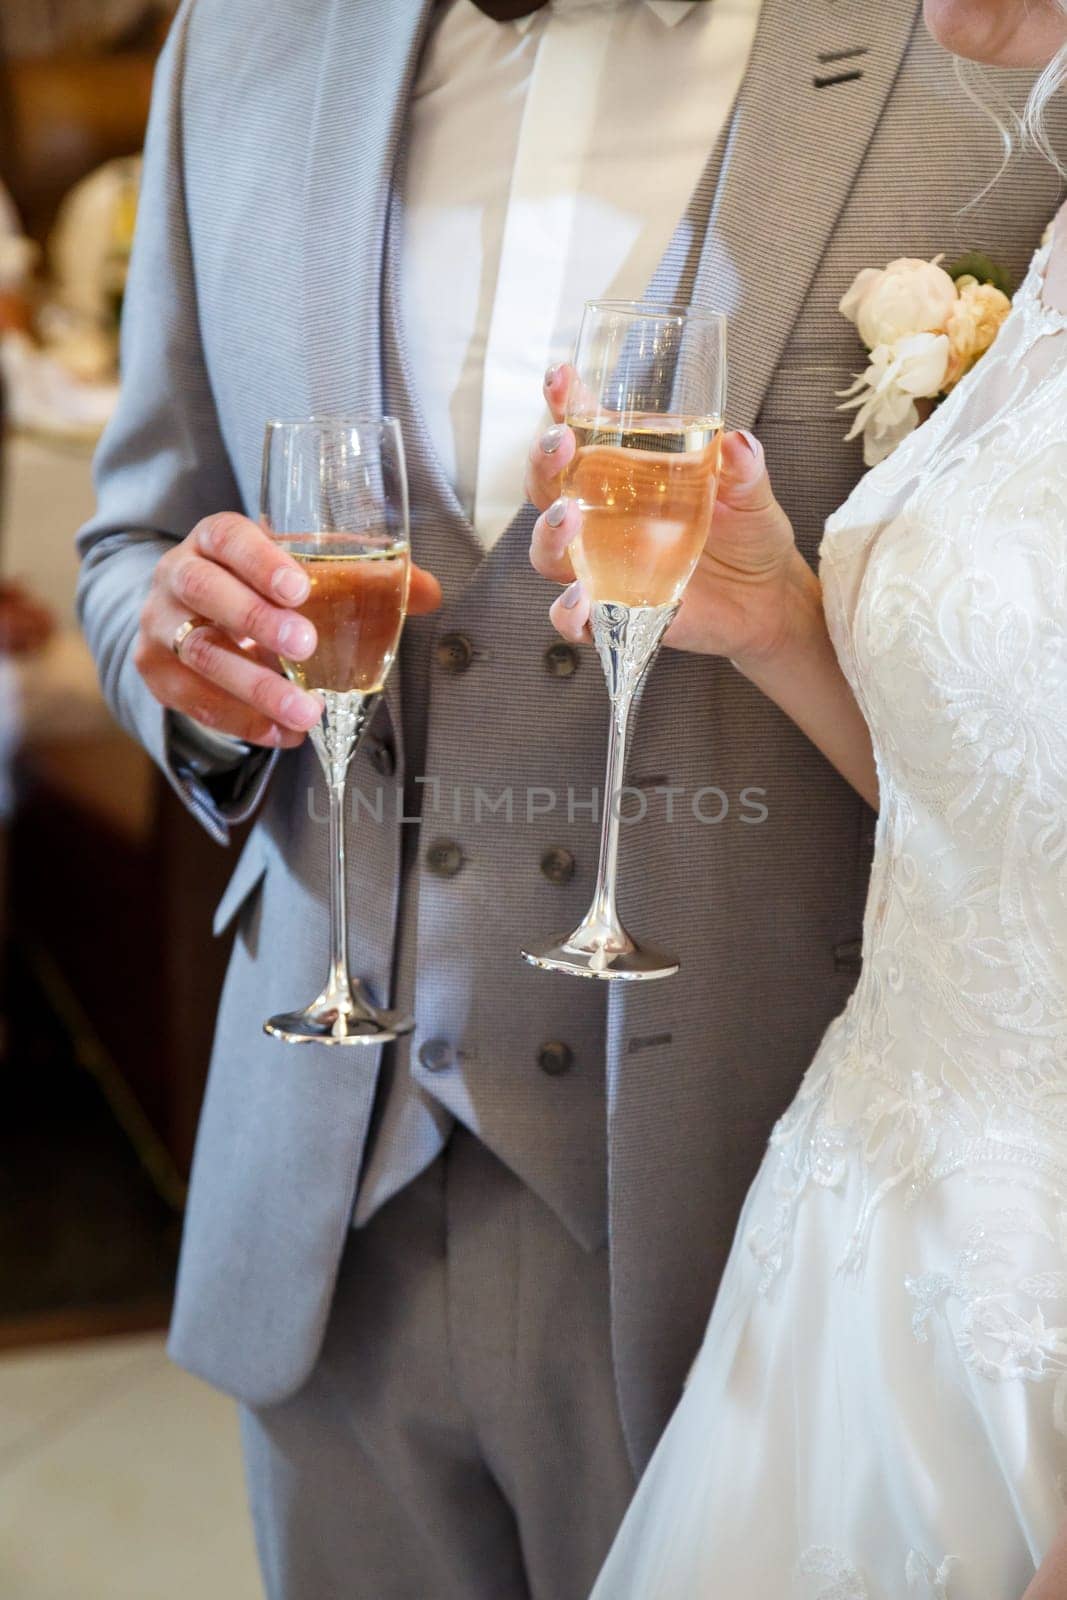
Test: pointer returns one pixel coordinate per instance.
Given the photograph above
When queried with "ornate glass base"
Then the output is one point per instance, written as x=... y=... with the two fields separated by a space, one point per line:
x=629 y=964
x=328 y=1022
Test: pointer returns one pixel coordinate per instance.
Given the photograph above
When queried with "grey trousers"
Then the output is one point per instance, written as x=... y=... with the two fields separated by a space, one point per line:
x=459 y=1438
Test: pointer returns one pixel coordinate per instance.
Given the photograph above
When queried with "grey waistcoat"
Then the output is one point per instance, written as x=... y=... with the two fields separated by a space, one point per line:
x=535 y=1097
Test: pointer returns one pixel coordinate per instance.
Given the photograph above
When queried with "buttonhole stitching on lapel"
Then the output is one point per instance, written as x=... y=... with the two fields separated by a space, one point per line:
x=840 y=77
x=826 y=57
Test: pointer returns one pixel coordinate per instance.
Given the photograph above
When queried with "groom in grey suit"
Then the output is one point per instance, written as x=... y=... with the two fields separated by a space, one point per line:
x=456 y=1284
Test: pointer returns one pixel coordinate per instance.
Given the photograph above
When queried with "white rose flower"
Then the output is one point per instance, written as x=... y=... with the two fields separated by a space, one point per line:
x=854 y=297
x=884 y=398
x=907 y=297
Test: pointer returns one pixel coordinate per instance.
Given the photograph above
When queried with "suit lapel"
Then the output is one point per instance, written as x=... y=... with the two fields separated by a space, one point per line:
x=369 y=58
x=820 y=74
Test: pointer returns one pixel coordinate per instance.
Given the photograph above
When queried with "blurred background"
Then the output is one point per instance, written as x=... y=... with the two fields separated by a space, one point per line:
x=119 y=1477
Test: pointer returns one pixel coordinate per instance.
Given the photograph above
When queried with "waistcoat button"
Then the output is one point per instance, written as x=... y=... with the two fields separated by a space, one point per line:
x=555 y=1058
x=436 y=1054
x=454 y=653
x=561 y=660
x=558 y=865
x=444 y=858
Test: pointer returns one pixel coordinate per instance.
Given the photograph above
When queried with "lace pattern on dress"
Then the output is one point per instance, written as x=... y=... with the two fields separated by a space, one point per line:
x=945 y=581
x=1009 y=1272
x=844 y=1581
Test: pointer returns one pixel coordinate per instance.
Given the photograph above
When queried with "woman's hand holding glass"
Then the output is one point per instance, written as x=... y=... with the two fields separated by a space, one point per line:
x=752 y=596
x=742 y=599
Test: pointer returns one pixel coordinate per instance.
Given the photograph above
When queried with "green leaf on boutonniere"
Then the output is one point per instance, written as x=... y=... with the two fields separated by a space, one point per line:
x=976 y=264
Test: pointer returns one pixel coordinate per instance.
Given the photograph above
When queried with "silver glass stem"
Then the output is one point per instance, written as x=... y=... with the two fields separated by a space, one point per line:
x=627 y=639
x=341 y=1013
x=335 y=739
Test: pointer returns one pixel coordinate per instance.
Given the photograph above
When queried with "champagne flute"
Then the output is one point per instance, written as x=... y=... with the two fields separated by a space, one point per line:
x=646 y=405
x=335 y=496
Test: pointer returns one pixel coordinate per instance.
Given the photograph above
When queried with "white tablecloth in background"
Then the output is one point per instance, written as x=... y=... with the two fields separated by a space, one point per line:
x=48 y=495
x=53 y=697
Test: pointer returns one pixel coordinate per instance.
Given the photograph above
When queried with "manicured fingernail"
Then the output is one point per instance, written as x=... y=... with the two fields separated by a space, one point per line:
x=750 y=439
x=295 y=637
x=556 y=512
x=301 y=708
x=550 y=439
x=572 y=595
x=553 y=373
x=290 y=585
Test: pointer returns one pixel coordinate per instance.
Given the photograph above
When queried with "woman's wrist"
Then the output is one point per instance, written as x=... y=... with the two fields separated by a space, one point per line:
x=803 y=676
x=801 y=633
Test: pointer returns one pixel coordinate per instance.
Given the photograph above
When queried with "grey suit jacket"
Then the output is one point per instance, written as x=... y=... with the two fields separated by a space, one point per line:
x=256 y=290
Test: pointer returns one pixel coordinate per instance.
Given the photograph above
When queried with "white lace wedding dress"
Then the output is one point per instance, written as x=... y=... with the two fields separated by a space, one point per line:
x=879 y=1410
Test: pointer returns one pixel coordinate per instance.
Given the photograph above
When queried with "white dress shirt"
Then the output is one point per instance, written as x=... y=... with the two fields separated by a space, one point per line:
x=549 y=162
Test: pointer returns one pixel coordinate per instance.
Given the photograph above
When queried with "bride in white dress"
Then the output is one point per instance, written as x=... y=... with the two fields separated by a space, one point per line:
x=879 y=1409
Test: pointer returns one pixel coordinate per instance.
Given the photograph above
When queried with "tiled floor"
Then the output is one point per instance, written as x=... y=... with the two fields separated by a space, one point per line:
x=120 y=1479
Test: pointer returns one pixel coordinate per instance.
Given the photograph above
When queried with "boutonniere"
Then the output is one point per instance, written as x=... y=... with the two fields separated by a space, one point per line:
x=925 y=326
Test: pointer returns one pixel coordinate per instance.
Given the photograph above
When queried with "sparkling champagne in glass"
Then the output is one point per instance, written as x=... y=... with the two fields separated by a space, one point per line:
x=646 y=406
x=335 y=497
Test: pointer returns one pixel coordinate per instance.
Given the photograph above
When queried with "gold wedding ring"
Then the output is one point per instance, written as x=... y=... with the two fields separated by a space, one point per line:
x=184 y=631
